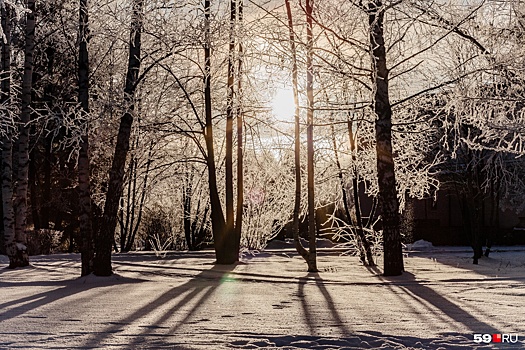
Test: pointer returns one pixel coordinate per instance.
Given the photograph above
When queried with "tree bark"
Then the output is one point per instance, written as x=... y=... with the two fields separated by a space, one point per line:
x=217 y=215
x=20 y=202
x=229 y=232
x=102 y=266
x=393 y=255
x=297 y=138
x=240 y=152
x=84 y=190
x=312 y=254
x=7 y=147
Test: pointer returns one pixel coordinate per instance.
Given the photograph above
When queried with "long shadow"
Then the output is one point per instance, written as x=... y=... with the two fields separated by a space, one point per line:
x=180 y=271
x=306 y=308
x=198 y=289
x=378 y=273
x=331 y=305
x=64 y=289
x=408 y=283
x=329 y=301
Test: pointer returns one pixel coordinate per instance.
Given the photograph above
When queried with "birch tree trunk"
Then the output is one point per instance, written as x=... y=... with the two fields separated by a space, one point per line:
x=7 y=146
x=393 y=256
x=20 y=202
x=84 y=190
x=102 y=266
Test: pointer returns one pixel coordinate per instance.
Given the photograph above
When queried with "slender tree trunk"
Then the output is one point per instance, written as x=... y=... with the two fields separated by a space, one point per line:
x=23 y=138
x=297 y=139
x=357 y=203
x=135 y=229
x=129 y=229
x=48 y=143
x=393 y=255
x=312 y=254
x=102 y=266
x=217 y=215
x=240 y=153
x=349 y=222
x=186 y=203
x=46 y=195
x=84 y=189
x=372 y=214
x=229 y=232
x=7 y=147
x=124 y=226
x=34 y=185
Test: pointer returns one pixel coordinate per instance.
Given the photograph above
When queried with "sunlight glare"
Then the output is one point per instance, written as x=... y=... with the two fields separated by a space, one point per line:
x=283 y=107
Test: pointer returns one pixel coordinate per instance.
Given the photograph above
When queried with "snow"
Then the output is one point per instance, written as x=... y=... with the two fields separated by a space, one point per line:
x=420 y=245
x=268 y=300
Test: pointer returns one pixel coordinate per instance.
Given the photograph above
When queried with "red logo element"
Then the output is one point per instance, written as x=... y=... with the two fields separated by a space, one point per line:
x=496 y=338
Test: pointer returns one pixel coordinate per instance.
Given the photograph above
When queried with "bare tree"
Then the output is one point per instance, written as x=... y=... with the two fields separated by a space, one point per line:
x=217 y=215
x=308 y=256
x=312 y=230
x=15 y=255
x=84 y=190
x=20 y=203
x=102 y=266
x=393 y=255
x=240 y=141
x=230 y=240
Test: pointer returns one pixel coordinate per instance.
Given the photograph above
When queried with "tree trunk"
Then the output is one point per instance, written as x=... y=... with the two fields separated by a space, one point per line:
x=48 y=143
x=348 y=216
x=84 y=190
x=7 y=146
x=217 y=215
x=135 y=229
x=34 y=185
x=357 y=203
x=229 y=232
x=312 y=254
x=393 y=255
x=297 y=139
x=46 y=195
x=102 y=266
x=20 y=203
x=186 y=203
x=240 y=155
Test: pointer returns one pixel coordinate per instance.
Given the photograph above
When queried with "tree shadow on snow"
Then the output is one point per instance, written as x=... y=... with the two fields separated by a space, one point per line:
x=433 y=302
x=55 y=291
x=154 y=320
x=310 y=311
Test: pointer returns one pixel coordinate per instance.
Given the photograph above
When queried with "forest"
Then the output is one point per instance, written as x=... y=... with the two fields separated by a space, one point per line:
x=162 y=125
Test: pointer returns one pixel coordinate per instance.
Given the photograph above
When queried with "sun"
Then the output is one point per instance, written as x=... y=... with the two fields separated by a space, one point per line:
x=283 y=107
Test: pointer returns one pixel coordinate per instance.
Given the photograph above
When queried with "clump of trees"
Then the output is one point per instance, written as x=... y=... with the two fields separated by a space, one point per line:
x=146 y=123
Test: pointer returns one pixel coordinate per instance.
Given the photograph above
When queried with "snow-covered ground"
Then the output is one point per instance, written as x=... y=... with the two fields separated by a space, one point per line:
x=268 y=300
